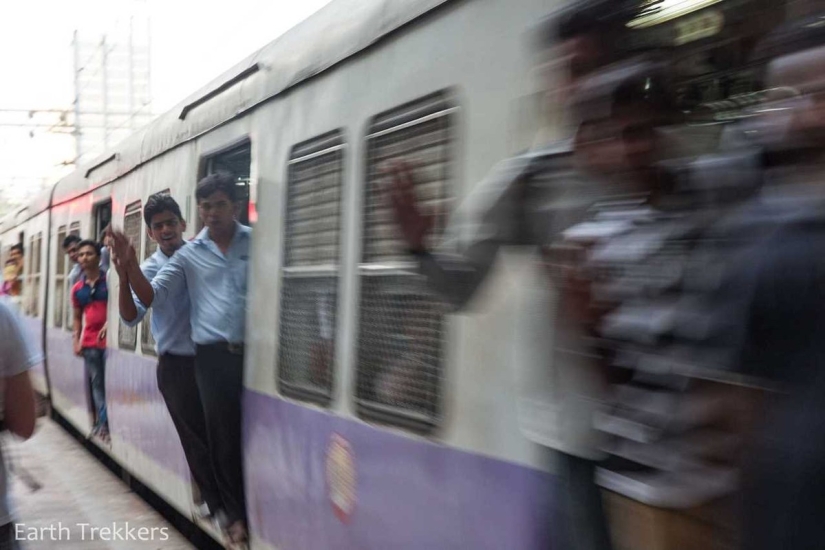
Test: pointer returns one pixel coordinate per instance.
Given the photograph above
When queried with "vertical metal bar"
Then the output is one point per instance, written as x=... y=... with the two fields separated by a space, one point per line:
x=105 y=69
x=131 y=75
x=78 y=131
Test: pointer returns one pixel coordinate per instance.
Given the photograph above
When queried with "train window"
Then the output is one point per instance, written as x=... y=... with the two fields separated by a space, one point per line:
x=147 y=340
x=33 y=275
x=133 y=228
x=401 y=325
x=102 y=218
x=26 y=290
x=74 y=229
x=60 y=291
x=38 y=273
x=237 y=161
x=309 y=292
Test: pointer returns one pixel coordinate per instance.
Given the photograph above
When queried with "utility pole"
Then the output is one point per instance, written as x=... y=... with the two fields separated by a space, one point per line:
x=105 y=91
x=131 y=70
x=112 y=95
x=78 y=132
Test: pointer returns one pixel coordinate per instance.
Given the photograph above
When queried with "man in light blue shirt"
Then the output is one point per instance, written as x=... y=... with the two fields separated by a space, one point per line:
x=212 y=270
x=174 y=346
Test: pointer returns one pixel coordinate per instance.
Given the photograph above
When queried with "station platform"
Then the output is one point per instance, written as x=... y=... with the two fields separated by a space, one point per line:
x=64 y=498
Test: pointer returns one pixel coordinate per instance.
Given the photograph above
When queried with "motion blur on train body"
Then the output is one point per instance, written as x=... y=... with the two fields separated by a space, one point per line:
x=461 y=275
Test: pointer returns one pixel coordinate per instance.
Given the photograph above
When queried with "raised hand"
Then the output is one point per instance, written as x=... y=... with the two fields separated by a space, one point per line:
x=414 y=223
x=121 y=247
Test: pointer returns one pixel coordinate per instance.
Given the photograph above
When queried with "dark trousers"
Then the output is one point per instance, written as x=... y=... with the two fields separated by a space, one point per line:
x=95 y=361
x=585 y=520
x=177 y=385
x=219 y=374
x=8 y=537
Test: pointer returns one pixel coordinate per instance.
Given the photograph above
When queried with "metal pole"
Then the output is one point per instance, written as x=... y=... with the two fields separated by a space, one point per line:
x=78 y=131
x=105 y=68
x=131 y=75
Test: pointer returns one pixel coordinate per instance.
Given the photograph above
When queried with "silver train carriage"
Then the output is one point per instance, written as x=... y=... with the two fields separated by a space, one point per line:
x=409 y=437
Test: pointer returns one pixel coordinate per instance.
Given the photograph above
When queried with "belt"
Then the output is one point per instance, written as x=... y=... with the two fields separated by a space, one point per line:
x=233 y=348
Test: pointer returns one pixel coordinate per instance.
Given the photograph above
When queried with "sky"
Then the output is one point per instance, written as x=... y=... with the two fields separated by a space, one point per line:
x=191 y=42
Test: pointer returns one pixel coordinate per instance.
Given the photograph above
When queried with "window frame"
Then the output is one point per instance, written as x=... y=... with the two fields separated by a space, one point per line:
x=205 y=169
x=38 y=276
x=26 y=291
x=135 y=208
x=329 y=143
x=147 y=339
x=441 y=104
x=32 y=276
x=68 y=325
x=60 y=276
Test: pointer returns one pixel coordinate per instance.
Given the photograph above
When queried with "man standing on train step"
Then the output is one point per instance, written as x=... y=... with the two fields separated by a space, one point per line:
x=176 y=350
x=90 y=296
x=213 y=271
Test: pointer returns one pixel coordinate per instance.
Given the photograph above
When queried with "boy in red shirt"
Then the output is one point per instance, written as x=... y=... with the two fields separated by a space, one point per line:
x=90 y=297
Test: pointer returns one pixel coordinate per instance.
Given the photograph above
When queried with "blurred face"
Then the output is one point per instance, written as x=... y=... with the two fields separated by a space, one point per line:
x=88 y=257
x=16 y=256
x=638 y=138
x=167 y=229
x=598 y=148
x=217 y=211
x=575 y=59
x=795 y=112
x=620 y=144
x=71 y=251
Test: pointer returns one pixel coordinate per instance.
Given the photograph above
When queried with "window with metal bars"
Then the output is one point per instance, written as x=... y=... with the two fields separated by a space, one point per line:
x=28 y=266
x=34 y=275
x=74 y=229
x=309 y=277
x=147 y=339
x=401 y=325
x=133 y=228
x=60 y=290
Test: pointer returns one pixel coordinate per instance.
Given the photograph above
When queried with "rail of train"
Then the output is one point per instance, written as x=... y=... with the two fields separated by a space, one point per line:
x=389 y=444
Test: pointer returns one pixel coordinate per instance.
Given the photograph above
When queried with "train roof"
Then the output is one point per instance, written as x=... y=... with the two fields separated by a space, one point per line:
x=339 y=30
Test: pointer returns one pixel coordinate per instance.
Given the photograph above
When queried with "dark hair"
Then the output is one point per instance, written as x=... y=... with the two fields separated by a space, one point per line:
x=70 y=240
x=792 y=37
x=649 y=90
x=159 y=203
x=88 y=242
x=637 y=82
x=602 y=18
x=222 y=181
x=18 y=246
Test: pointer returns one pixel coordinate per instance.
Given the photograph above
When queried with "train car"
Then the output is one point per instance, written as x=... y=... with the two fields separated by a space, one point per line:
x=372 y=419
x=28 y=226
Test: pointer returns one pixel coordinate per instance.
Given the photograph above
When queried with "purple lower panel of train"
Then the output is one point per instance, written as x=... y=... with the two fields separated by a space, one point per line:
x=137 y=413
x=66 y=372
x=316 y=480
